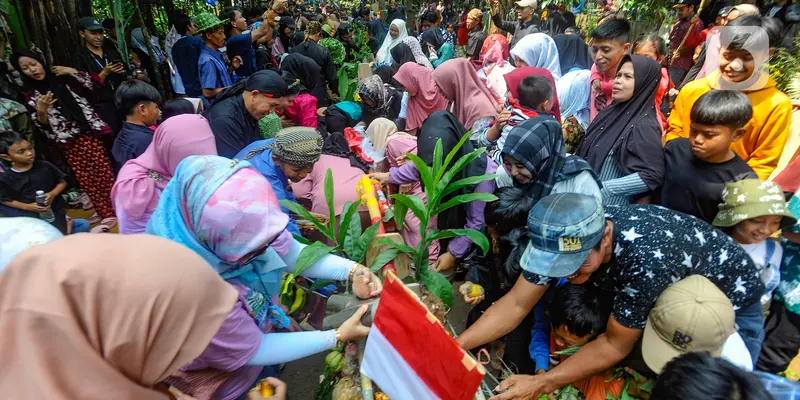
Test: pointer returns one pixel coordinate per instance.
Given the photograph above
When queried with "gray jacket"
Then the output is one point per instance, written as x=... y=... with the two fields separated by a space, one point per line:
x=516 y=28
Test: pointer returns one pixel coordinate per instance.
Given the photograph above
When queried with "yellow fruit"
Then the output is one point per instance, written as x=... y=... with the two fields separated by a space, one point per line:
x=475 y=290
x=381 y=396
x=266 y=389
x=299 y=300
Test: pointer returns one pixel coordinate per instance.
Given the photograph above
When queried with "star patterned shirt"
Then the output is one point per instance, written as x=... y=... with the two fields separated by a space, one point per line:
x=655 y=247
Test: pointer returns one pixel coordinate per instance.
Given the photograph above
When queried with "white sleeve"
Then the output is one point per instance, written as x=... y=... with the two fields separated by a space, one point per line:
x=327 y=267
x=736 y=352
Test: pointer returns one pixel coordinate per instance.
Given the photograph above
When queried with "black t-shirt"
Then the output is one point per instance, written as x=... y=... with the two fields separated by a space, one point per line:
x=655 y=247
x=233 y=126
x=22 y=187
x=694 y=186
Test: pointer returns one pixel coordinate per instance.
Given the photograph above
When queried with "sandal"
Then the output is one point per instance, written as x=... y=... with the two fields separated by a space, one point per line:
x=100 y=229
x=94 y=219
x=110 y=222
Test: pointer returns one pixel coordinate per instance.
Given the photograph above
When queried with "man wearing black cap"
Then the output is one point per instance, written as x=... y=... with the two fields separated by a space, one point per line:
x=681 y=46
x=104 y=60
x=236 y=110
x=283 y=42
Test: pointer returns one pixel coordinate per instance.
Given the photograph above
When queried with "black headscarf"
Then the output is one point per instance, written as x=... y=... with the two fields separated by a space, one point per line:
x=377 y=30
x=572 y=52
x=432 y=36
x=634 y=125
x=538 y=144
x=443 y=125
x=336 y=145
x=386 y=73
x=401 y=54
x=267 y=82
x=297 y=66
x=58 y=85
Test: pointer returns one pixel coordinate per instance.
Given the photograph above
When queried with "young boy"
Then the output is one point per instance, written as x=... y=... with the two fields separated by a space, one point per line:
x=26 y=176
x=766 y=133
x=653 y=47
x=698 y=168
x=141 y=104
x=535 y=98
x=610 y=41
x=577 y=315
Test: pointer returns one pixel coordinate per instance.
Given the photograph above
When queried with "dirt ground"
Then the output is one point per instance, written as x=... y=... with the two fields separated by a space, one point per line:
x=303 y=375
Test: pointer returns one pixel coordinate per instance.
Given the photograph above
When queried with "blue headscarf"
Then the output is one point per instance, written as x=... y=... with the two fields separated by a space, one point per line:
x=182 y=204
x=574 y=90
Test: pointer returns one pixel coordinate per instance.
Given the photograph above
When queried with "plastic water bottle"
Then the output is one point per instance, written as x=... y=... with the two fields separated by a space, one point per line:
x=40 y=200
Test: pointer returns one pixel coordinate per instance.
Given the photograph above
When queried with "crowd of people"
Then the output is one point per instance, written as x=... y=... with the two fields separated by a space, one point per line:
x=640 y=222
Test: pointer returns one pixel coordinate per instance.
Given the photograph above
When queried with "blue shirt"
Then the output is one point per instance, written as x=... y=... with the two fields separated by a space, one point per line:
x=540 y=334
x=262 y=161
x=185 y=55
x=213 y=72
x=130 y=143
x=242 y=45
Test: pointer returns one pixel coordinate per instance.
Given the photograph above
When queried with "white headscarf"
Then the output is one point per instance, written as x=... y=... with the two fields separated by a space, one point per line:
x=574 y=90
x=416 y=50
x=540 y=51
x=384 y=55
x=18 y=234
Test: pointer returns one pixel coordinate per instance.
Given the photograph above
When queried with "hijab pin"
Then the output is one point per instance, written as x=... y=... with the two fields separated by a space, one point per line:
x=234 y=162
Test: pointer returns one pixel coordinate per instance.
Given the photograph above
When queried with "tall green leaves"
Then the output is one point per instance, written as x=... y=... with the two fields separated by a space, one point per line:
x=437 y=182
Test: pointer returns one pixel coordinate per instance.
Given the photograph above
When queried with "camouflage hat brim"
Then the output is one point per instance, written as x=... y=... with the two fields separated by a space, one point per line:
x=730 y=216
x=208 y=28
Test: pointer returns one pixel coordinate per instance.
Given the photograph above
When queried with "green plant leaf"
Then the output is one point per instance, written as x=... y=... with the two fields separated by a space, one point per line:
x=400 y=211
x=363 y=242
x=309 y=255
x=415 y=204
x=329 y=199
x=476 y=237
x=452 y=154
x=382 y=259
x=424 y=171
x=351 y=236
x=438 y=285
x=463 y=199
x=462 y=183
x=437 y=161
x=350 y=209
x=304 y=214
x=409 y=279
x=320 y=283
x=451 y=173
x=403 y=248
x=301 y=239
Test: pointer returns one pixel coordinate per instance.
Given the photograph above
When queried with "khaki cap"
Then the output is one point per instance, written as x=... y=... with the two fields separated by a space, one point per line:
x=690 y=315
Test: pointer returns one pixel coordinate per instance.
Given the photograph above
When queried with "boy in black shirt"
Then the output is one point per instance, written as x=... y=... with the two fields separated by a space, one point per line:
x=18 y=184
x=699 y=167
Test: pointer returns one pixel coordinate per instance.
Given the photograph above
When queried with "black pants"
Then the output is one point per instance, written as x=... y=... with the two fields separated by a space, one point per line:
x=782 y=341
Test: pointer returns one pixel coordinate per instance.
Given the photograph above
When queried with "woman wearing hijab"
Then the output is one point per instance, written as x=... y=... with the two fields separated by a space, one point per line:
x=141 y=180
x=537 y=50
x=397 y=32
x=574 y=89
x=416 y=51
x=66 y=117
x=290 y=156
x=236 y=110
x=21 y=233
x=494 y=65
x=473 y=103
x=446 y=52
x=573 y=53
x=376 y=136
x=131 y=332
x=444 y=126
x=402 y=54
x=424 y=96
x=379 y=100
x=304 y=79
x=515 y=77
x=346 y=170
x=623 y=143
x=431 y=40
x=535 y=160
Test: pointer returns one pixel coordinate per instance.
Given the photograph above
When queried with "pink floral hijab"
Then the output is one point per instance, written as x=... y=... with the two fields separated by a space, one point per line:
x=141 y=180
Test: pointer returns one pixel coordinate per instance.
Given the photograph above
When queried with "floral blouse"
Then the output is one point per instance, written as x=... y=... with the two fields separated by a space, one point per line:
x=61 y=130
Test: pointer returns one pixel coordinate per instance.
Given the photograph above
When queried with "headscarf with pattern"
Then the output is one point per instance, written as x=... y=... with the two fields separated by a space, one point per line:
x=416 y=50
x=18 y=234
x=299 y=146
x=374 y=89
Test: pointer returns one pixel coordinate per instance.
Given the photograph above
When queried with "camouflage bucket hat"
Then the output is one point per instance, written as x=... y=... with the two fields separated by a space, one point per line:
x=206 y=21
x=751 y=198
x=794 y=208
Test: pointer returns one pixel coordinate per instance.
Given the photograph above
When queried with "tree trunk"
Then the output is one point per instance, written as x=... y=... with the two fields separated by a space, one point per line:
x=53 y=29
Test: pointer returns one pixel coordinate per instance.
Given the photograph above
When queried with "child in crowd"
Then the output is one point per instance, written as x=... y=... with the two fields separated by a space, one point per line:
x=26 y=176
x=653 y=46
x=141 y=104
x=177 y=106
x=610 y=42
x=698 y=168
x=743 y=66
x=535 y=98
x=577 y=315
x=751 y=212
x=782 y=327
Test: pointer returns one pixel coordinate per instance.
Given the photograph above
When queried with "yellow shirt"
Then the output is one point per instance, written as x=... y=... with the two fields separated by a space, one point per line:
x=766 y=133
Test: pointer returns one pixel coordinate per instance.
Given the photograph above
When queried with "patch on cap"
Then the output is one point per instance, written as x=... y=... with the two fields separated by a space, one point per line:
x=569 y=244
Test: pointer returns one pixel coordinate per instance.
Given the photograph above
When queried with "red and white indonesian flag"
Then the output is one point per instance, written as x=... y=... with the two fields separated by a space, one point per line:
x=410 y=355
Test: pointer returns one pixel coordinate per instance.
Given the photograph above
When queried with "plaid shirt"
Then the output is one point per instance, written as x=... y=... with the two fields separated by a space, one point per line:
x=684 y=60
x=780 y=388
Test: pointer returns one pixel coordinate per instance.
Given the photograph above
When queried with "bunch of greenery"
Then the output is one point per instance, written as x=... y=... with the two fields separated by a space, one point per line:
x=784 y=67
